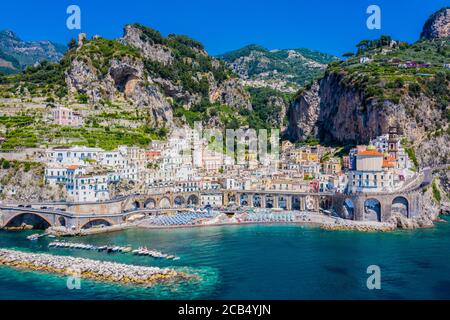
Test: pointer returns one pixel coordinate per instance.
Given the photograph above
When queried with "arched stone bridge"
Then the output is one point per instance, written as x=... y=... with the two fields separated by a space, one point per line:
x=379 y=206
x=165 y=200
x=84 y=215
x=281 y=199
x=14 y=217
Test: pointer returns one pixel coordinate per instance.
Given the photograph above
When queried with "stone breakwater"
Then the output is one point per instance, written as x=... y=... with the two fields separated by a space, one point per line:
x=365 y=226
x=91 y=269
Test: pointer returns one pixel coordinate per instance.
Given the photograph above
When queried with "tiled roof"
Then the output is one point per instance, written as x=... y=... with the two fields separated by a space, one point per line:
x=387 y=163
x=370 y=153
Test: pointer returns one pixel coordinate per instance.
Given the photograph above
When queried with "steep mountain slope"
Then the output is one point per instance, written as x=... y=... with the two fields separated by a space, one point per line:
x=162 y=74
x=283 y=70
x=438 y=25
x=29 y=53
x=129 y=90
x=387 y=83
x=8 y=64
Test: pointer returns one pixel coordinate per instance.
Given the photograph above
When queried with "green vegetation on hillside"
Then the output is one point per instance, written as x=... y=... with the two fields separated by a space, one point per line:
x=436 y=193
x=14 y=64
x=44 y=79
x=48 y=79
x=228 y=117
x=265 y=114
x=297 y=66
x=242 y=52
x=29 y=132
x=397 y=68
x=409 y=149
x=100 y=52
x=190 y=65
x=17 y=165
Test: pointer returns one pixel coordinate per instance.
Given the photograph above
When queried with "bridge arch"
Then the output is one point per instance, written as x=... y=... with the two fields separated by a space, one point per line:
x=231 y=198
x=400 y=205
x=372 y=210
x=136 y=204
x=269 y=201
x=296 y=203
x=179 y=201
x=282 y=202
x=97 y=222
x=164 y=203
x=244 y=200
x=62 y=221
x=348 y=209
x=29 y=218
x=193 y=200
x=325 y=203
x=150 y=203
x=257 y=201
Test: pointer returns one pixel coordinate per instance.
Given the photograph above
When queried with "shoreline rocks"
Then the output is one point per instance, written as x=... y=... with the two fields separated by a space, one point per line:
x=364 y=226
x=91 y=269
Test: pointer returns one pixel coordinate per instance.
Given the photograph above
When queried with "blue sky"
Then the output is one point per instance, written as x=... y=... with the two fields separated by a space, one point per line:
x=328 y=25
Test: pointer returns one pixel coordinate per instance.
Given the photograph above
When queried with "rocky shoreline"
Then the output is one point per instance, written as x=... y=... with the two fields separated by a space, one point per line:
x=91 y=269
x=364 y=226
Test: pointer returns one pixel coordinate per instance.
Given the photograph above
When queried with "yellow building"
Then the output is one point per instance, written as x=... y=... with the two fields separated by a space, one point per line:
x=304 y=154
x=332 y=166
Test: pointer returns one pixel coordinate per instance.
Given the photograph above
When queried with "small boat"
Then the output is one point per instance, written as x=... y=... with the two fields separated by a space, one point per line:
x=102 y=248
x=127 y=249
x=51 y=236
x=33 y=237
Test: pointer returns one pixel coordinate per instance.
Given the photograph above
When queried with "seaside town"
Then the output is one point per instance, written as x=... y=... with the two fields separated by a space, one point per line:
x=191 y=179
x=145 y=164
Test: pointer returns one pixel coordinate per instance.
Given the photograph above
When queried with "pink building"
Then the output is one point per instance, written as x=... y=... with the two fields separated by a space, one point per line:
x=66 y=117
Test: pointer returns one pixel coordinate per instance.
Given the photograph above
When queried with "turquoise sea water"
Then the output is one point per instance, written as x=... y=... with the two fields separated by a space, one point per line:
x=255 y=262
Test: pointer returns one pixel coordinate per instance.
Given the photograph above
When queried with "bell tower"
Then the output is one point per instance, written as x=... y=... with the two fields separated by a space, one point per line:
x=393 y=142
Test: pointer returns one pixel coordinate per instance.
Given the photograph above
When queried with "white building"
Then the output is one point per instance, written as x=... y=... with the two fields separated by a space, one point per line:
x=66 y=117
x=364 y=60
x=373 y=173
x=214 y=199
x=231 y=184
x=91 y=187
x=74 y=155
x=59 y=174
x=80 y=185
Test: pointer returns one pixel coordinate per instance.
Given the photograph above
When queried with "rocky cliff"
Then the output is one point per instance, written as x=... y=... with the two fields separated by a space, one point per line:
x=154 y=73
x=400 y=84
x=273 y=76
x=24 y=182
x=438 y=25
x=337 y=113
